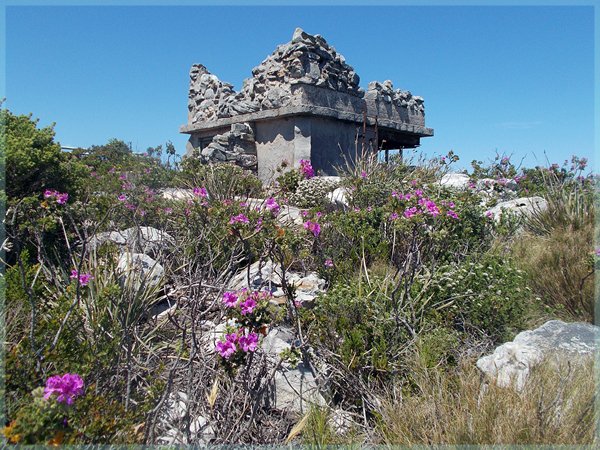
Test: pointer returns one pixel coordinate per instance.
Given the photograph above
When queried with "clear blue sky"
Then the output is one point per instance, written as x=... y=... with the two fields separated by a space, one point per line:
x=515 y=79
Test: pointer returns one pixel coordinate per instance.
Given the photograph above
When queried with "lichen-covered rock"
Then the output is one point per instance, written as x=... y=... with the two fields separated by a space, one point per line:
x=555 y=342
x=313 y=191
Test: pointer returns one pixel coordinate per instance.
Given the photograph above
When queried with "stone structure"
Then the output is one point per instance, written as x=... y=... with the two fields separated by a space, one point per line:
x=302 y=102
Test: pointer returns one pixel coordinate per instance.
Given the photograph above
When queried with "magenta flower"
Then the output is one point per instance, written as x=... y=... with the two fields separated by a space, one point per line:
x=67 y=387
x=200 y=192
x=419 y=193
x=304 y=213
x=489 y=214
x=123 y=176
x=168 y=210
x=598 y=251
x=363 y=174
x=74 y=273
x=61 y=198
x=85 y=278
x=272 y=206
x=225 y=348
x=49 y=193
x=313 y=227
x=230 y=299
x=410 y=212
x=240 y=218
x=306 y=168
x=328 y=263
x=248 y=306
x=122 y=198
x=430 y=206
x=452 y=214
x=394 y=216
x=248 y=343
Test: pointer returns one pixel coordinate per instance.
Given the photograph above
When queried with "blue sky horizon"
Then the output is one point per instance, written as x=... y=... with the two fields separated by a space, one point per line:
x=517 y=80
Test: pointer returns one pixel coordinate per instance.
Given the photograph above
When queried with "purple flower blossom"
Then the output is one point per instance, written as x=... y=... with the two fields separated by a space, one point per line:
x=306 y=168
x=74 y=273
x=363 y=174
x=49 y=193
x=230 y=299
x=248 y=306
x=313 y=227
x=419 y=193
x=489 y=215
x=410 y=212
x=248 y=343
x=452 y=214
x=394 y=216
x=67 y=387
x=598 y=251
x=122 y=198
x=225 y=348
x=272 y=206
x=200 y=192
x=85 y=278
x=240 y=218
x=328 y=263
x=123 y=176
x=168 y=210
x=304 y=213
x=430 y=205
x=61 y=198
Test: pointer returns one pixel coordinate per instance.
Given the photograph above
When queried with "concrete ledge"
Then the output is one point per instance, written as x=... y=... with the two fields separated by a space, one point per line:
x=307 y=110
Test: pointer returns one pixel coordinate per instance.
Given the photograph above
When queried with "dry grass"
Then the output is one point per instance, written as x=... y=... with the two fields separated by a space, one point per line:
x=560 y=270
x=461 y=408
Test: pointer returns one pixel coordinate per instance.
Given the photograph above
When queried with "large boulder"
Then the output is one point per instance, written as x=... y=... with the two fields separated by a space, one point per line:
x=555 y=342
x=523 y=207
x=455 y=180
x=294 y=389
x=139 y=270
x=137 y=239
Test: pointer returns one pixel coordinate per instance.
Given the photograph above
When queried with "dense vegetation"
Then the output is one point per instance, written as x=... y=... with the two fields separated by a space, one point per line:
x=420 y=282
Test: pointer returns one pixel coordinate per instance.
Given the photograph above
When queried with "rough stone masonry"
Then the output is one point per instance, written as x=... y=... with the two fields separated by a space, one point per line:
x=302 y=102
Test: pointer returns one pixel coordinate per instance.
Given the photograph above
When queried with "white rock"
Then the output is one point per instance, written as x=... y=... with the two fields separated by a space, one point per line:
x=455 y=180
x=339 y=196
x=524 y=206
x=294 y=389
x=555 y=342
x=136 y=239
x=139 y=269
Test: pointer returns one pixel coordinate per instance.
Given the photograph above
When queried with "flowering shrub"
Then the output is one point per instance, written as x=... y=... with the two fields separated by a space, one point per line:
x=67 y=387
x=306 y=169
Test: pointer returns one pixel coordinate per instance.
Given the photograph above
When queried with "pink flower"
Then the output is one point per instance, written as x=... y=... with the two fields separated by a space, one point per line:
x=225 y=348
x=61 y=198
x=122 y=198
x=306 y=168
x=328 y=263
x=430 y=205
x=230 y=299
x=272 y=206
x=363 y=174
x=394 y=216
x=410 y=212
x=248 y=343
x=67 y=387
x=304 y=213
x=240 y=218
x=74 y=273
x=489 y=214
x=85 y=278
x=452 y=214
x=123 y=176
x=419 y=193
x=200 y=192
x=313 y=227
x=49 y=193
x=168 y=210
x=248 y=306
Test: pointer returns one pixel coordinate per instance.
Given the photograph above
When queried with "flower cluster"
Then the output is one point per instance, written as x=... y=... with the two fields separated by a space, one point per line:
x=84 y=278
x=61 y=198
x=237 y=341
x=67 y=387
x=200 y=192
x=313 y=227
x=246 y=300
x=424 y=205
x=240 y=218
x=306 y=169
x=272 y=206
